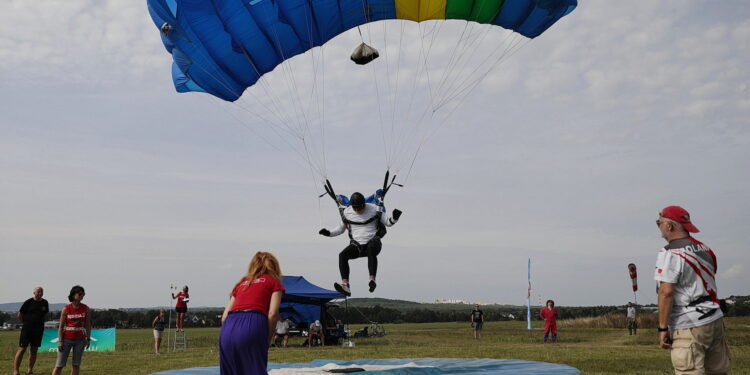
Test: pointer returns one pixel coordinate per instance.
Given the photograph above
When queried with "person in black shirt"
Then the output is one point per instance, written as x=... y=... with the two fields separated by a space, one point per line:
x=477 y=321
x=32 y=314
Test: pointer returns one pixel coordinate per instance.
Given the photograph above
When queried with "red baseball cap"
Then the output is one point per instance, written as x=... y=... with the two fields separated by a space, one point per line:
x=679 y=215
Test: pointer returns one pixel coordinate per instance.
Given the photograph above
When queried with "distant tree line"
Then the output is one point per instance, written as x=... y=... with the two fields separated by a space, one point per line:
x=738 y=306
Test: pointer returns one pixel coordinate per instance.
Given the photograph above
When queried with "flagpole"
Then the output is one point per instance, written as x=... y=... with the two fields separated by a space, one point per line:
x=169 y=324
x=528 y=300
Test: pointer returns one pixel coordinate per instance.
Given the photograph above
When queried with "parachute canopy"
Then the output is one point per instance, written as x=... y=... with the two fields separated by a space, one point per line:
x=222 y=47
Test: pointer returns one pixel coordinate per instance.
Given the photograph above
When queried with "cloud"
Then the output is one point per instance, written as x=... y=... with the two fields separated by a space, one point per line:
x=733 y=272
x=63 y=42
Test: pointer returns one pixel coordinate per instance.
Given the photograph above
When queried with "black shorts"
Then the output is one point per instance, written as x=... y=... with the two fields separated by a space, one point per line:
x=31 y=336
x=180 y=310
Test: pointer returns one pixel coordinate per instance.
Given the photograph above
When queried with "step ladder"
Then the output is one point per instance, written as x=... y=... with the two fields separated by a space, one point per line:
x=180 y=341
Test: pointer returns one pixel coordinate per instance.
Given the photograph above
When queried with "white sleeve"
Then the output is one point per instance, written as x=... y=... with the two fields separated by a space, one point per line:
x=387 y=220
x=338 y=230
x=668 y=267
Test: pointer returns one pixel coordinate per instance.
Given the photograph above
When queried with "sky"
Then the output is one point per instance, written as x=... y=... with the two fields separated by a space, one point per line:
x=564 y=154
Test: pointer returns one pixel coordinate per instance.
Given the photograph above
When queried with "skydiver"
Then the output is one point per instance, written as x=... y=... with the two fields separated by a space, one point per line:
x=366 y=224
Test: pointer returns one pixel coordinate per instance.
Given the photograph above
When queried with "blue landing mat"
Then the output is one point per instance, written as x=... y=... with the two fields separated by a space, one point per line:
x=427 y=366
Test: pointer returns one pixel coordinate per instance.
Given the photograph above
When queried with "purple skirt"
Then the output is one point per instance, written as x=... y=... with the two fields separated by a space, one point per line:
x=243 y=344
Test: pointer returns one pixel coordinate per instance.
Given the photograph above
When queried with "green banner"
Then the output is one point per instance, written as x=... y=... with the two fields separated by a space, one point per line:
x=102 y=340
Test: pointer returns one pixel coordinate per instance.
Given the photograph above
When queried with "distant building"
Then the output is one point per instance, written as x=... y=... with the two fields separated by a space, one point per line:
x=52 y=324
x=451 y=301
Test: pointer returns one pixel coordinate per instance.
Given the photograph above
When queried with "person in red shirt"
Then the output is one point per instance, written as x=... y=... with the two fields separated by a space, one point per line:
x=249 y=319
x=549 y=315
x=181 y=307
x=74 y=332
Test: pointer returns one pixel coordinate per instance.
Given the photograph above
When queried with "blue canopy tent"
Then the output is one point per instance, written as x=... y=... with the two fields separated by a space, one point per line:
x=304 y=302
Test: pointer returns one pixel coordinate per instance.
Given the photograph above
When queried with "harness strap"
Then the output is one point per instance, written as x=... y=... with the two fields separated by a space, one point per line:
x=368 y=221
x=706 y=314
x=700 y=300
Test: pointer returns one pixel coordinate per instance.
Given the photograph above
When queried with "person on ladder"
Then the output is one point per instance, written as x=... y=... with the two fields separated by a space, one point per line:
x=365 y=223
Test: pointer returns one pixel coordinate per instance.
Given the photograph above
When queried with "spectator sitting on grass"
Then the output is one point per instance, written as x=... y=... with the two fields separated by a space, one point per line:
x=316 y=330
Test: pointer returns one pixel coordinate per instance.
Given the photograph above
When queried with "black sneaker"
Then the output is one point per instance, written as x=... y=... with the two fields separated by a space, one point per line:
x=372 y=285
x=343 y=289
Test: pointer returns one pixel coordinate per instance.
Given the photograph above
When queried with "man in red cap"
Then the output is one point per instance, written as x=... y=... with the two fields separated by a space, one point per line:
x=690 y=320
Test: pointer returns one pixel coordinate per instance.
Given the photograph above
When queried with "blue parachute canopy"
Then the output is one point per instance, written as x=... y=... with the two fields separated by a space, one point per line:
x=225 y=46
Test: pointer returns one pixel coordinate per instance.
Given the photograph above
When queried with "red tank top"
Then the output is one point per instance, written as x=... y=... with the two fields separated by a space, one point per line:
x=75 y=322
x=182 y=299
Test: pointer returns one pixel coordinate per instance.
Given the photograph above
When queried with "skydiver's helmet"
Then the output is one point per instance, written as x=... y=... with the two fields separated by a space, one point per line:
x=358 y=201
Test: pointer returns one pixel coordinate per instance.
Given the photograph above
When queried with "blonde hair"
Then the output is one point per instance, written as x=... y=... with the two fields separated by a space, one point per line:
x=263 y=263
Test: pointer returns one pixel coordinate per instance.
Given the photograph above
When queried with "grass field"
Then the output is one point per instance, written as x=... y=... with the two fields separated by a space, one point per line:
x=592 y=350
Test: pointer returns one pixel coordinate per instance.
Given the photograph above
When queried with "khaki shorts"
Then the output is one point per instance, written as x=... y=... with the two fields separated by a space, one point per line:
x=701 y=350
x=158 y=334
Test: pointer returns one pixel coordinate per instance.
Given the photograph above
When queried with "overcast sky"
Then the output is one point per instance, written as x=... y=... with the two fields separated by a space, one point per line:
x=564 y=154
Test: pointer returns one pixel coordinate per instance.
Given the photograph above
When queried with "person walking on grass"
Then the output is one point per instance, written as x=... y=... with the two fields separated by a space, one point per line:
x=158 y=324
x=249 y=319
x=32 y=315
x=282 y=331
x=477 y=321
x=632 y=317
x=549 y=315
x=74 y=333
x=180 y=307
x=691 y=323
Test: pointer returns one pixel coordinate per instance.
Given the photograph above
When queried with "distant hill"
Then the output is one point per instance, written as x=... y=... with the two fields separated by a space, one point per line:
x=410 y=305
x=15 y=306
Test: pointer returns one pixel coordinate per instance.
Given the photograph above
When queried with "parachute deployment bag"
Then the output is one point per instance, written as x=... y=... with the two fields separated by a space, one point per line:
x=363 y=54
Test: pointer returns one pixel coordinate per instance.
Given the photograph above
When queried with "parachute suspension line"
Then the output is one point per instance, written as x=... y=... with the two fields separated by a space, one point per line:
x=323 y=111
x=508 y=46
x=256 y=133
x=413 y=127
x=514 y=48
x=303 y=126
x=229 y=88
x=387 y=146
x=461 y=46
x=460 y=63
x=239 y=95
x=360 y=32
x=398 y=72
x=454 y=50
x=445 y=75
x=422 y=68
x=380 y=109
x=511 y=50
x=276 y=109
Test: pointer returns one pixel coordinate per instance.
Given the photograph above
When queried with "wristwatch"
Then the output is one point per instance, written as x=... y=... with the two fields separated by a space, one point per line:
x=662 y=329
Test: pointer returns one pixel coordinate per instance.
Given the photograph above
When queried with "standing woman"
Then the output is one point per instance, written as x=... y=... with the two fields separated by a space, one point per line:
x=250 y=317
x=74 y=332
x=181 y=307
x=158 y=325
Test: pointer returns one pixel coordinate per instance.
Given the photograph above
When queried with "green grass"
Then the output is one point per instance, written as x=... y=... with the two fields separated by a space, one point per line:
x=592 y=350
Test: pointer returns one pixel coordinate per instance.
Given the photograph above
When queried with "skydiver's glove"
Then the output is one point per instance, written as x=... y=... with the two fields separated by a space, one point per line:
x=324 y=232
x=396 y=214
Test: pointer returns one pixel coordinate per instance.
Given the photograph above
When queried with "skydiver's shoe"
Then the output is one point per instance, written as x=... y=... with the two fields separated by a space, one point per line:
x=343 y=289
x=372 y=285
